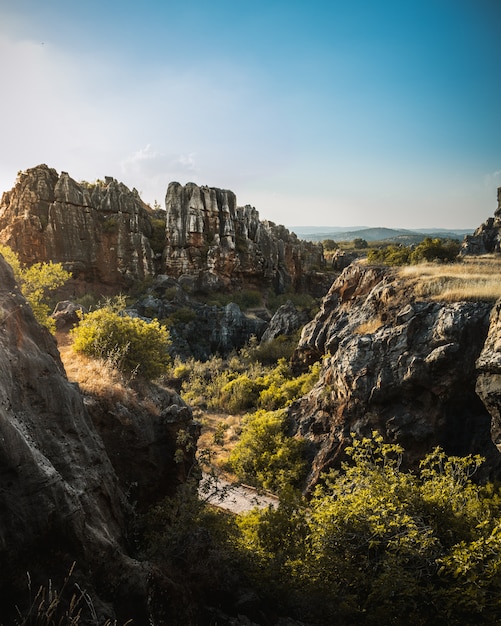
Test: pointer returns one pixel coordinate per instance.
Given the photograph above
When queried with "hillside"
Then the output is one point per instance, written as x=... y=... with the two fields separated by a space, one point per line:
x=389 y=235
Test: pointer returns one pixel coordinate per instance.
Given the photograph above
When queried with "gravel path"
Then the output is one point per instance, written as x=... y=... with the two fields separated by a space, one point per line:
x=233 y=497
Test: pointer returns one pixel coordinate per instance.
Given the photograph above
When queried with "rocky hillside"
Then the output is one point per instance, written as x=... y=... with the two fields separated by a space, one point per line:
x=109 y=238
x=422 y=373
x=68 y=465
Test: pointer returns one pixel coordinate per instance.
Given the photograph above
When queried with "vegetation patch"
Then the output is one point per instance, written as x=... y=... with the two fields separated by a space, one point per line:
x=473 y=278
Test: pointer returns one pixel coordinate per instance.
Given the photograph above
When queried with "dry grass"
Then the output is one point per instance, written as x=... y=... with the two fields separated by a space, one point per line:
x=220 y=433
x=95 y=377
x=369 y=327
x=474 y=278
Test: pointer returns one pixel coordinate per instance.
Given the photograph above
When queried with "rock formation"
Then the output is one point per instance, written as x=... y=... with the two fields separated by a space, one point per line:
x=219 y=245
x=392 y=363
x=487 y=237
x=109 y=238
x=100 y=232
x=61 y=500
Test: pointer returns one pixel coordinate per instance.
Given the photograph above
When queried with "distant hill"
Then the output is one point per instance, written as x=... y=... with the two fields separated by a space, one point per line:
x=390 y=235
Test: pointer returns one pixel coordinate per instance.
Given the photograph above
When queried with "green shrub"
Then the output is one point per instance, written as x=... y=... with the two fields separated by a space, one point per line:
x=378 y=545
x=443 y=250
x=132 y=344
x=37 y=282
x=265 y=456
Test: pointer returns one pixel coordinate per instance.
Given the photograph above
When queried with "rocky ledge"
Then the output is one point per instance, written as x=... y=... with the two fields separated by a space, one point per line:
x=407 y=368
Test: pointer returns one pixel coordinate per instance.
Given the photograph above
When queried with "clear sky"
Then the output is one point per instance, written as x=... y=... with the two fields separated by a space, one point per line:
x=325 y=113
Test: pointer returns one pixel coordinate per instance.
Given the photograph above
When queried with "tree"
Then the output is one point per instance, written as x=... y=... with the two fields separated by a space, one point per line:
x=360 y=244
x=37 y=282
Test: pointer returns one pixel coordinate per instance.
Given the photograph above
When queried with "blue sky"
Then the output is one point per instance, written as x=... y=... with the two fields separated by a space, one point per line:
x=325 y=113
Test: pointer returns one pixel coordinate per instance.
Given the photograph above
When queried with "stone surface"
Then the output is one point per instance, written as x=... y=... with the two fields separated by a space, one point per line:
x=489 y=374
x=61 y=501
x=403 y=367
x=222 y=245
x=487 y=237
x=285 y=321
x=100 y=232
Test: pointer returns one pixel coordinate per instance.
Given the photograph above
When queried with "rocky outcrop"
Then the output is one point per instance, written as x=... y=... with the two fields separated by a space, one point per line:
x=61 y=500
x=219 y=244
x=487 y=237
x=488 y=384
x=404 y=367
x=100 y=232
x=286 y=321
x=197 y=329
x=108 y=238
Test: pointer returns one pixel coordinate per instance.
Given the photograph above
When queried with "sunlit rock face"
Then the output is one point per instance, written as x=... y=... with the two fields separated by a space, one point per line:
x=395 y=364
x=487 y=237
x=100 y=232
x=220 y=244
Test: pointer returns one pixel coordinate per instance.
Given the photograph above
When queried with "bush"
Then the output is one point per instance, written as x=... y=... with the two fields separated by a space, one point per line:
x=131 y=344
x=379 y=545
x=265 y=456
x=36 y=283
x=442 y=250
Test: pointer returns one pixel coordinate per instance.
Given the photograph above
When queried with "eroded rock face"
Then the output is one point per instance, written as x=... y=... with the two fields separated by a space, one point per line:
x=403 y=367
x=61 y=501
x=222 y=245
x=489 y=374
x=100 y=232
x=487 y=238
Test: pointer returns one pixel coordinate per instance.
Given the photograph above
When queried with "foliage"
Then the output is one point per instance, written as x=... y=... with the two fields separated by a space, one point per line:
x=444 y=250
x=265 y=456
x=241 y=384
x=157 y=239
x=380 y=545
x=330 y=244
x=131 y=344
x=360 y=244
x=36 y=283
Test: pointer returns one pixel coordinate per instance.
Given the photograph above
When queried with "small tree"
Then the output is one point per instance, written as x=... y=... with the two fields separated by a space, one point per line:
x=36 y=283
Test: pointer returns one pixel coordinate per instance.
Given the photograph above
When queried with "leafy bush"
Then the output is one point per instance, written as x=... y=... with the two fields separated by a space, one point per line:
x=265 y=456
x=36 y=283
x=435 y=250
x=428 y=250
x=378 y=545
x=131 y=344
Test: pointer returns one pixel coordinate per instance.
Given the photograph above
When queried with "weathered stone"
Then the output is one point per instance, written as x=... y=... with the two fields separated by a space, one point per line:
x=487 y=237
x=99 y=232
x=60 y=499
x=286 y=321
x=67 y=314
x=219 y=244
x=404 y=368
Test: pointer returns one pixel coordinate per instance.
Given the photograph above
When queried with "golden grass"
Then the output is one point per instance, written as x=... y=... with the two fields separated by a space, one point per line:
x=369 y=327
x=474 y=278
x=96 y=377
x=220 y=433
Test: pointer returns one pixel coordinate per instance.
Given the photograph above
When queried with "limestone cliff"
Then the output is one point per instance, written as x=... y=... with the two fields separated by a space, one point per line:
x=395 y=364
x=61 y=498
x=487 y=237
x=100 y=232
x=109 y=238
x=218 y=244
